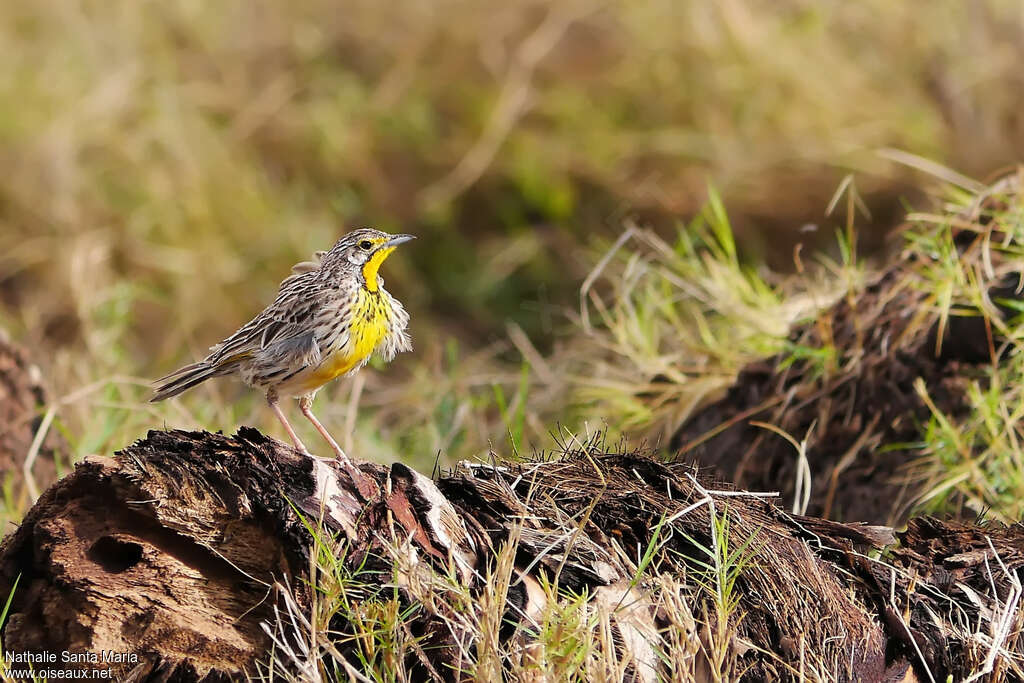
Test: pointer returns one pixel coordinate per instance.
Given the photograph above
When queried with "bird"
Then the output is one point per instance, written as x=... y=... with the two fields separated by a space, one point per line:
x=329 y=317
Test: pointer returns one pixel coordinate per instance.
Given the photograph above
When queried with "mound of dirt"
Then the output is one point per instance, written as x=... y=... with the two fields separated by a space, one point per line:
x=857 y=399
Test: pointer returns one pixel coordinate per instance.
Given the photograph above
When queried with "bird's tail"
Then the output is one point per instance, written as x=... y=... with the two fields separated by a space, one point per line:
x=185 y=378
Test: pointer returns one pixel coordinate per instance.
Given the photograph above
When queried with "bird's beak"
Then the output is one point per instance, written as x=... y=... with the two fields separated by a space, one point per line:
x=398 y=239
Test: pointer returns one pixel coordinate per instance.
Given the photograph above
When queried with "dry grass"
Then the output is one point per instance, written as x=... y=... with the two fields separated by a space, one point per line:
x=173 y=161
x=673 y=323
x=668 y=325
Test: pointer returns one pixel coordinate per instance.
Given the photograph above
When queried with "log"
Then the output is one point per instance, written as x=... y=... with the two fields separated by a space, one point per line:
x=187 y=557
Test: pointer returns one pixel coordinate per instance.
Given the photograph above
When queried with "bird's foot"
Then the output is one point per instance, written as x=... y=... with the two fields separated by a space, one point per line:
x=338 y=458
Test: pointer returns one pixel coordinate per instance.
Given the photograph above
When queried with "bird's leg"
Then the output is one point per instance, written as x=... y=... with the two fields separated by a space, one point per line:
x=272 y=402
x=306 y=406
x=365 y=484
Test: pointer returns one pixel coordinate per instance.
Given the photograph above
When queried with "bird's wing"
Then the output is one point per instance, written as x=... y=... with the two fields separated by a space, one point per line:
x=284 y=328
x=299 y=351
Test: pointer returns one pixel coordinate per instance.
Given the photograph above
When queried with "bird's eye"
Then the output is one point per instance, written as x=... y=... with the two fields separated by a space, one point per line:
x=365 y=245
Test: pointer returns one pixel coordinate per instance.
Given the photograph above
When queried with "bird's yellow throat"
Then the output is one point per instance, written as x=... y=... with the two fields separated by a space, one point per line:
x=371 y=267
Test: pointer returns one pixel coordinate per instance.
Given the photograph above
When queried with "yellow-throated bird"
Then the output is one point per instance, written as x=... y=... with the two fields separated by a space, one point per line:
x=329 y=317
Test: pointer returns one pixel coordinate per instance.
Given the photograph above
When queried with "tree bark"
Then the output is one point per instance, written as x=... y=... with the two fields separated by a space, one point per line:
x=181 y=553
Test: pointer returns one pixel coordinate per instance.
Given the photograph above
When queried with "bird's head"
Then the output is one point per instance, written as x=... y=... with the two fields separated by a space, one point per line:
x=365 y=250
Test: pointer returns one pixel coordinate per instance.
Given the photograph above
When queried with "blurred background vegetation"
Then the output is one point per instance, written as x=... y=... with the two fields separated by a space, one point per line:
x=168 y=162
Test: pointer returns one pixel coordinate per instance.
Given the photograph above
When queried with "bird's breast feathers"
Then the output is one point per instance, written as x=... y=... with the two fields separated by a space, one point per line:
x=376 y=322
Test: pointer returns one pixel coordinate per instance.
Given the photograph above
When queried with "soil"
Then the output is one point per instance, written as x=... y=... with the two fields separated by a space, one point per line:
x=859 y=410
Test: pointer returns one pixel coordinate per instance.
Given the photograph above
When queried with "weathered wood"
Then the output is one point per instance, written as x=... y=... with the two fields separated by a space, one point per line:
x=165 y=551
x=175 y=552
